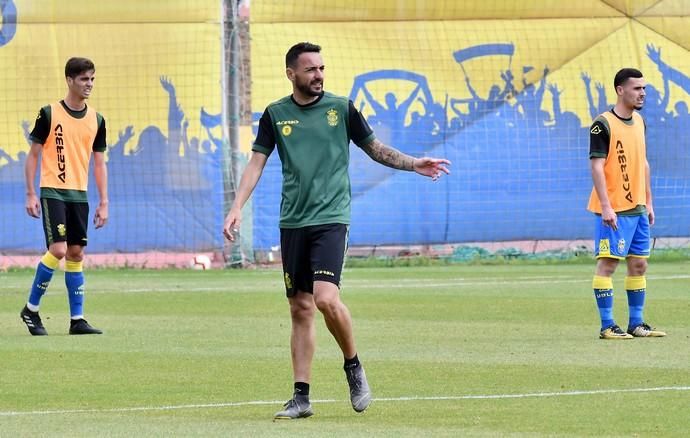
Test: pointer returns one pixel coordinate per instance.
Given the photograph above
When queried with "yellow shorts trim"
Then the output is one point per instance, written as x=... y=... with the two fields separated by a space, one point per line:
x=609 y=256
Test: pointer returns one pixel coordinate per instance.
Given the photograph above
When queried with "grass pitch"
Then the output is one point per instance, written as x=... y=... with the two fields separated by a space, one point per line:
x=507 y=350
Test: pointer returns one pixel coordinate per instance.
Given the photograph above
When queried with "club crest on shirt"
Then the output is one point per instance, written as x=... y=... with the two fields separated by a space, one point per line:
x=332 y=117
x=286 y=130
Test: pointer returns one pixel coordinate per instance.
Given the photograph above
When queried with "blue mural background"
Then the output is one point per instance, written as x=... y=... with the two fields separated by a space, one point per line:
x=519 y=172
x=166 y=192
x=520 y=168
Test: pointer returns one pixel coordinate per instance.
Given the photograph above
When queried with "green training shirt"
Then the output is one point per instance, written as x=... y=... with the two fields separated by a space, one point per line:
x=313 y=144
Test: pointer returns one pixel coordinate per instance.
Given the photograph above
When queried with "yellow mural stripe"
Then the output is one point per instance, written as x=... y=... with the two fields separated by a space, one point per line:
x=291 y=11
x=120 y=11
x=426 y=48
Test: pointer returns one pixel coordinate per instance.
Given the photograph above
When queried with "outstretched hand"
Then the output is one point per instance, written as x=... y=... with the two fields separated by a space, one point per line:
x=553 y=88
x=125 y=135
x=431 y=167
x=654 y=54
x=167 y=84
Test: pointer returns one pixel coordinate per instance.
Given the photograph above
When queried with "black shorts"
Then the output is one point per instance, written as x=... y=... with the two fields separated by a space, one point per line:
x=65 y=221
x=313 y=253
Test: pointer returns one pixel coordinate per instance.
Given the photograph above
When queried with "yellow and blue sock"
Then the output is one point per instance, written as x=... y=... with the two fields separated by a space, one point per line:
x=603 y=292
x=74 y=280
x=636 y=288
x=44 y=273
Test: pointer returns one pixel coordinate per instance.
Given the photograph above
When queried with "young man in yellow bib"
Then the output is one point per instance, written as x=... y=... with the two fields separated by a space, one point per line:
x=65 y=135
x=622 y=203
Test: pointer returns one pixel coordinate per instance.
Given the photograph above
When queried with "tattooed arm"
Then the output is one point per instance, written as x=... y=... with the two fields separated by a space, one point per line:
x=388 y=156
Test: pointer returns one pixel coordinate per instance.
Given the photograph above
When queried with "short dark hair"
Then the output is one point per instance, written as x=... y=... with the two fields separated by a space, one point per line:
x=77 y=66
x=296 y=50
x=624 y=74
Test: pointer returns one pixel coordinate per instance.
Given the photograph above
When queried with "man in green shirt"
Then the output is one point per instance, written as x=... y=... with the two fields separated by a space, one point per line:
x=313 y=129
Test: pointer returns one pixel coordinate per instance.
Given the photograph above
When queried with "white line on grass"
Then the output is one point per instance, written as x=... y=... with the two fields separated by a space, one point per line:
x=380 y=284
x=383 y=399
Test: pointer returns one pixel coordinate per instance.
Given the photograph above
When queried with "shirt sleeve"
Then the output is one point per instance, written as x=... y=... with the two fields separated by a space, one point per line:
x=599 y=139
x=99 y=144
x=265 y=137
x=360 y=131
x=41 y=127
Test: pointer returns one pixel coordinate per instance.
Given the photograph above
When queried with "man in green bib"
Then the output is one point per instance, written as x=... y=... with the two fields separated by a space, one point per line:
x=313 y=130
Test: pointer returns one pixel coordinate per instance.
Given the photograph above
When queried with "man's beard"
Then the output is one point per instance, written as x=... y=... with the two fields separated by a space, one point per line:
x=306 y=89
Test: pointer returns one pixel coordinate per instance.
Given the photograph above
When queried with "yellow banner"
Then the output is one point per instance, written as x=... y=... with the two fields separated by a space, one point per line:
x=464 y=62
x=155 y=62
x=118 y=11
x=299 y=11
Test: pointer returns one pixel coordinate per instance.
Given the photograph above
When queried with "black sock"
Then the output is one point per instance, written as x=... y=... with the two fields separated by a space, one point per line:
x=302 y=388
x=351 y=363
